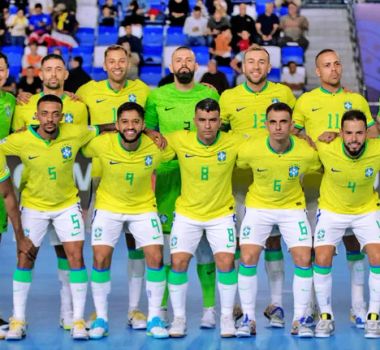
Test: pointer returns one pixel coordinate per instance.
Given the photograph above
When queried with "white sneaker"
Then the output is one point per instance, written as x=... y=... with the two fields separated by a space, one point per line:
x=99 y=329
x=247 y=328
x=17 y=329
x=372 y=327
x=208 y=319
x=325 y=327
x=178 y=327
x=275 y=315
x=301 y=328
x=358 y=316
x=227 y=326
x=157 y=328
x=66 y=321
x=79 y=331
x=136 y=319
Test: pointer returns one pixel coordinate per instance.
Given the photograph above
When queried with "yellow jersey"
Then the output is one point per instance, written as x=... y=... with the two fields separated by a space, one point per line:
x=103 y=102
x=4 y=170
x=48 y=165
x=347 y=184
x=277 y=176
x=206 y=172
x=126 y=181
x=320 y=110
x=74 y=112
x=245 y=110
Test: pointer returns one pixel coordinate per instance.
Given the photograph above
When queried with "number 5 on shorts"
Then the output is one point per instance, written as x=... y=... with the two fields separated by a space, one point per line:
x=75 y=221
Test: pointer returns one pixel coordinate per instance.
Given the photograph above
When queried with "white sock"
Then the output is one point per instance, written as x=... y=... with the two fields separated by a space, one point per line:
x=20 y=296
x=100 y=293
x=178 y=282
x=247 y=285
x=302 y=290
x=323 y=285
x=65 y=292
x=374 y=292
x=136 y=271
x=78 y=285
x=227 y=286
x=275 y=272
x=357 y=269
x=155 y=292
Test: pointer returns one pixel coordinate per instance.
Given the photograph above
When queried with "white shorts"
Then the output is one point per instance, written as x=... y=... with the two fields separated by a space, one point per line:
x=107 y=227
x=293 y=224
x=331 y=228
x=68 y=224
x=187 y=233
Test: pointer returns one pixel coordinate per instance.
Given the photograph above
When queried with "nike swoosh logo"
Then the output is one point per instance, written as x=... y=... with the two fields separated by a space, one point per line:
x=32 y=157
x=240 y=109
x=156 y=236
x=230 y=245
x=316 y=109
x=336 y=170
x=75 y=233
x=302 y=239
x=113 y=163
x=101 y=100
x=168 y=108
x=189 y=155
x=261 y=170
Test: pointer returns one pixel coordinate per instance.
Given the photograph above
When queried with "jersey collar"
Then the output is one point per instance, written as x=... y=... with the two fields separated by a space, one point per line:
x=115 y=91
x=62 y=97
x=286 y=151
x=348 y=156
x=325 y=91
x=215 y=141
x=255 y=92
x=36 y=134
x=121 y=145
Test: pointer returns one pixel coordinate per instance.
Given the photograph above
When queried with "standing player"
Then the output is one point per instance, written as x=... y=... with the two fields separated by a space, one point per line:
x=53 y=75
x=206 y=160
x=171 y=108
x=278 y=162
x=103 y=98
x=348 y=199
x=319 y=112
x=125 y=197
x=48 y=152
x=243 y=110
x=7 y=106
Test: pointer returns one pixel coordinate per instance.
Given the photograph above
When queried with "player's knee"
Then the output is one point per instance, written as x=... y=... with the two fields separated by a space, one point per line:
x=374 y=258
x=75 y=259
x=154 y=260
x=224 y=261
x=303 y=260
x=323 y=258
x=248 y=258
x=179 y=264
x=101 y=261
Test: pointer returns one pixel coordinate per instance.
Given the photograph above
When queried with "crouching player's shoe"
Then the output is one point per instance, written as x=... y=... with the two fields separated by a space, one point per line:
x=79 y=331
x=99 y=329
x=178 y=327
x=157 y=328
x=4 y=326
x=136 y=319
x=325 y=326
x=372 y=326
x=208 y=320
x=358 y=316
x=17 y=329
x=302 y=328
x=66 y=321
x=275 y=315
x=227 y=326
x=247 y=328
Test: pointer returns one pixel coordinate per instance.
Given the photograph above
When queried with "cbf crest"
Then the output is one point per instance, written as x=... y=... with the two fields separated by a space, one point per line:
x=275 y=100
x=369 y=172
x=66 y=152
x=132 y=98
x=69 y=118
x=222 y=156
x=8 y=111
x=347 y=105
x=294 y=171
x=148 y=160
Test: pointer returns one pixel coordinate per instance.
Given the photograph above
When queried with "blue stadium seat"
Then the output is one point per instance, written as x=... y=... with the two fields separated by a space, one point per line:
x=292 y=53
x=275 y=75
x=98 y=73
x=150 y=75
x=282 y=11
x=86 y=36
x=201 y=54
x=14 y=54
x=175 y=36
x=107 y=36
x=14 y=71
x=86 y=52
x=153 y=36
x=152 y=55
x=229 y=72
x=63 y=49
x=260 y=9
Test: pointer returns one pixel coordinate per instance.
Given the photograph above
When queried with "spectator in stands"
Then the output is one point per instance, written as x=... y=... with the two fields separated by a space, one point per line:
x=65 y=26
x=77 y=75
x=178 y=11
x=3 y=28
x=267 y=26
x=32 y=59
x=285 y=3
x=242 y=22
x=195 y=28
x=71 y=5
x=221 y=49
x=10 y=85
x=47 y=5
x=17 y=25
x=216 y=22
x=214 y=77
x=294 y=27
x=107 y=18
x=133 y=15
x=203 y=8
x=293 y=78
x=223 y=5
x=111 y=5
x=39 y=24
x=134 y=42
x=29 y=83
x=134 y=61
x=244 y=42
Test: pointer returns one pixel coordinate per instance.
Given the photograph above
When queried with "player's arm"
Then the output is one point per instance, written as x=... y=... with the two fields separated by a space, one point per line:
x=151 y=116
x=224 y=112
x=156 y=137
x=88 y=135
x=242 y=160
x=17 y=120
x=12 y=144
x=90 y=150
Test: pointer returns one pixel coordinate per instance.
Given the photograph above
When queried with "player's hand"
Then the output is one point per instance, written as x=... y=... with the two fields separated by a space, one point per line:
x=23 y=98
x=328 y=136
x=157 y=138
x=308 y=139
x=26 y=246
x=21 y=129
x=72 y=96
